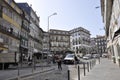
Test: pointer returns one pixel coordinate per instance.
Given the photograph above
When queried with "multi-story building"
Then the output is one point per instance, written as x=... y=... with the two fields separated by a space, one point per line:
x=93 y=45
x=80 y=40
x=101 y=45
x=111 y=18
x=45 y=42
x=10 y=29
x=24 y=36
x=36 y=33
x=59 y=41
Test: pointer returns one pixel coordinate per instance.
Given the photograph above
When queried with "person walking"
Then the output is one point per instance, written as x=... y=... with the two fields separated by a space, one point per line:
x=59 y=62
x=76 y=61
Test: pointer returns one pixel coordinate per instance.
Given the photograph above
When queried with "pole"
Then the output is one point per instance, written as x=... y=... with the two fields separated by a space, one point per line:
x=49 y=33
x=18 y=70
x=84 y=69
x=68 y=74
x=78 y=72
x=88 y=66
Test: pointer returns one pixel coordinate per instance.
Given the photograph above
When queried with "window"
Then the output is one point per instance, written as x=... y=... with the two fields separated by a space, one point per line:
x=9 y=1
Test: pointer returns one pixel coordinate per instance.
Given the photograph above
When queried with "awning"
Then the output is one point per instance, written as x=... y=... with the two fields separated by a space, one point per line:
x=117 y=33
x=3 y=48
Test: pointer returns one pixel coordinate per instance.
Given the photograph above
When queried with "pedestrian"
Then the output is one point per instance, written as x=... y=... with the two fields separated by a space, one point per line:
x=76 y=60
x=59 y=61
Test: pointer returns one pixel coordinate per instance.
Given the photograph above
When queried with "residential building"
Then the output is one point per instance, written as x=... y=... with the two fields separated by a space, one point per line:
x=80 y=40
x=45 y=42
x=59 y=41
x=93 y=45
x=111 y=18
x=24 y=35
x=10 y=29
x=101 y=45
x=36 y=33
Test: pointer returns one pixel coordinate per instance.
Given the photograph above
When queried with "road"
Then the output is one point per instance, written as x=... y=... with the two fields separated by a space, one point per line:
x=52 y=74
x=61 y=74
x=13 y=72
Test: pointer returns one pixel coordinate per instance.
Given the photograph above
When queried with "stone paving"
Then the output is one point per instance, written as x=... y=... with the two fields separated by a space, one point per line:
x=106 y=70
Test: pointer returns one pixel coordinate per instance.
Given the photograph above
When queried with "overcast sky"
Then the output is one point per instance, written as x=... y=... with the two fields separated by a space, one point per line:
x=70 y=14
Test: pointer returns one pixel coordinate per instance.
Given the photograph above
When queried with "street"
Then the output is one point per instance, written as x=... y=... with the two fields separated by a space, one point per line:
x=44 y=72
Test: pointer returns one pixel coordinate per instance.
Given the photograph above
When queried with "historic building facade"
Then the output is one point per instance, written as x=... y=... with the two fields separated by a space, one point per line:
x=111 y=18
x=80 y=40
x=10 y=29
x=45 y=42
x=36 y=33
x=101 y=45
x=24 y=35
x=59 y=41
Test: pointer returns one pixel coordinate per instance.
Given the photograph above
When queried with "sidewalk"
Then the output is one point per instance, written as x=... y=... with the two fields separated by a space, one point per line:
x=106 y=70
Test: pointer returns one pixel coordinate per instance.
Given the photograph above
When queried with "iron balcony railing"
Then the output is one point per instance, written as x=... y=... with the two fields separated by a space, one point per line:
x=9 y=32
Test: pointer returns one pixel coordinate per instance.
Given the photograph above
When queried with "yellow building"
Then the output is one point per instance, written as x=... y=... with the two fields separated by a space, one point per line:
x=10 y=27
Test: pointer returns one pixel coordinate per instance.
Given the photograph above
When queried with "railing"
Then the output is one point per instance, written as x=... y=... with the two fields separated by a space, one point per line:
x=26 y=28
x=10 y=33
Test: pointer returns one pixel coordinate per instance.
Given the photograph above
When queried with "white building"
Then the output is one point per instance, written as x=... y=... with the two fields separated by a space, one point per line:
x=80 y=40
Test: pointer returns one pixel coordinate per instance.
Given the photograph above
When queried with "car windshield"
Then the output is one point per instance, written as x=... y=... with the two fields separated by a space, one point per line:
x=70 y=55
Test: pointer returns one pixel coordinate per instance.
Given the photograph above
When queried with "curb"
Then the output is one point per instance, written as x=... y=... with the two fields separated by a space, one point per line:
x=30 y=74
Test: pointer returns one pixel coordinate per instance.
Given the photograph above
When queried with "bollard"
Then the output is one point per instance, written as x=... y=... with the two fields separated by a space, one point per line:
x=78 y=72
x=94 y=62
x=99 y=60
x=91 y=64
x=68 y=74
x=119 y=62
x=84 y=69
x=88 y=66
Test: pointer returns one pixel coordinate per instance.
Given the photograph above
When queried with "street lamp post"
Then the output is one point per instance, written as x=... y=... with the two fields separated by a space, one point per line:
x=49 y=17
x=48 y=31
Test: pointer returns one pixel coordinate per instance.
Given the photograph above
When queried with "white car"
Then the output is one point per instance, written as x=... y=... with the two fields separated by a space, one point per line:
x=87 y=56
x=69 y=59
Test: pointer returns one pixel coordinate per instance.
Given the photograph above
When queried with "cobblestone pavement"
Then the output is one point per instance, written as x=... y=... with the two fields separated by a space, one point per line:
x=54 y=75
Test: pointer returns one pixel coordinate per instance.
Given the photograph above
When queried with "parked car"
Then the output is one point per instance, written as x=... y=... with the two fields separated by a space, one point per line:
x=104 y=55
x=96 y=55
x=87 y=56
x=70 y=59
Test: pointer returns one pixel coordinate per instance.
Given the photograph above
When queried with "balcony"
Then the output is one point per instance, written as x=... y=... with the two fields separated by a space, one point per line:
x=9 y=32
x=23 y=37
x=37 y=40
x=26 y=28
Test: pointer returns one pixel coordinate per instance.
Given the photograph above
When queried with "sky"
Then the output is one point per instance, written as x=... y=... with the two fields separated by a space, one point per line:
x=70 y=14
